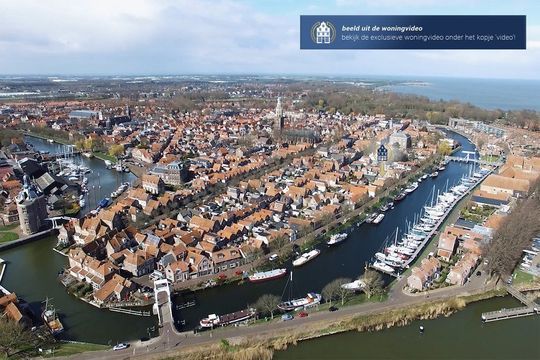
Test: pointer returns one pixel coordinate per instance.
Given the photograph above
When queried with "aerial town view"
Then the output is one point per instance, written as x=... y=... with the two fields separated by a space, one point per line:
x=181 y=180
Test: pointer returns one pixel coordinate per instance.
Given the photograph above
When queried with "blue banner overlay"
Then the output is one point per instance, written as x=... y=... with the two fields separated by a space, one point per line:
x=413 y=32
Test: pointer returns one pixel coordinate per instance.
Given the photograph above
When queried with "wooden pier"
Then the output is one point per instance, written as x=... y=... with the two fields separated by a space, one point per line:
x=130 y=312
x=504 y=314
x=530 y=308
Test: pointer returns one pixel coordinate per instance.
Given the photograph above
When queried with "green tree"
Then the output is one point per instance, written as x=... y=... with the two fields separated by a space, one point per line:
x=116 y=150
x=444 y=148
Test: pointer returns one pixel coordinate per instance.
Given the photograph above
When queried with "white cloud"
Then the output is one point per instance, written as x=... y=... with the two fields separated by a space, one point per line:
x=210 y=36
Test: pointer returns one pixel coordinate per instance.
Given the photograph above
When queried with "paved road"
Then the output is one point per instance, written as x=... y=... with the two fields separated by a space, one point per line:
x=171 y=341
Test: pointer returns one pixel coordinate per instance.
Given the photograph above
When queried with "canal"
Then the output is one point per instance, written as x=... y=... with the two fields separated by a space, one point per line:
x=461 y=336
x=345 y=260
x=32 y=268
x=101 y=181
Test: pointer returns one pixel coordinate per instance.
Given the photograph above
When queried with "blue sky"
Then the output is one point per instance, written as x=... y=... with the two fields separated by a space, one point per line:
x=244 y=36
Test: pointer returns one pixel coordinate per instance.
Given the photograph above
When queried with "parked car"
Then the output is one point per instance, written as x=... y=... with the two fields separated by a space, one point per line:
x=286 y=317
x=273 y=257
x=302 y=314
x=332 y=308
x=120 y=346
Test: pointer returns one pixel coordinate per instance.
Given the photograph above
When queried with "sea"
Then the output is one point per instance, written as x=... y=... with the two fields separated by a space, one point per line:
x=504 y=94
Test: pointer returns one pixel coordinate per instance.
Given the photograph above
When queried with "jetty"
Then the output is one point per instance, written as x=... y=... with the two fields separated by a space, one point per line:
x=130 y=311
x=530 y=308
x=435 y=230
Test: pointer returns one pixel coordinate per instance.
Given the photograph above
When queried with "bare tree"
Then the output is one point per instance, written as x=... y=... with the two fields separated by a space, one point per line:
x=333 y=290
x=514 y=235
x=343 y=293
x=267 y=304
x=373 y=282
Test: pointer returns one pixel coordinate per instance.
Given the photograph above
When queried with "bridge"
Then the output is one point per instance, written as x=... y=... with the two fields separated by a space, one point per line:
x=162 y=305
x=56 y=219
x=473 y=159
x=530 y=308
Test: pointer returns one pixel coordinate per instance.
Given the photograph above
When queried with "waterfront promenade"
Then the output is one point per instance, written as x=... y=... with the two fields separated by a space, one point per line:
x=169 y=343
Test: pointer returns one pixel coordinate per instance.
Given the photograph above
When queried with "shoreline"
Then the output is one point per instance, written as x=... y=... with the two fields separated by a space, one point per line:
x=264 y=342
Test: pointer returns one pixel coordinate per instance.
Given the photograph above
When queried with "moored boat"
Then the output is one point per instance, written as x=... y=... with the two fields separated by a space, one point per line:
x=378 y=219
x=355 y=285
x=267 y=275
x=214 y=320
x=305 y=257
x=336 y=239
x=310 y=300
x=51 y=320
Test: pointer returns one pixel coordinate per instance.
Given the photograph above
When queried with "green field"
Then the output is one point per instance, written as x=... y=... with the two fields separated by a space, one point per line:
x=8 y=236
x=66 y=349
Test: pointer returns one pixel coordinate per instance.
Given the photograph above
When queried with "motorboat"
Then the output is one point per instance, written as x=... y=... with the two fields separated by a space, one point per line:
x=337 y=238
x=305 y=257
x=354 y=285
x=378 y=219
x=381 y=266
x=371 y=218
x=411 y=188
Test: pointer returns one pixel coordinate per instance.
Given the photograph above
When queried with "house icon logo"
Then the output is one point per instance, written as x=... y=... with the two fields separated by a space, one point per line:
x=323 y=32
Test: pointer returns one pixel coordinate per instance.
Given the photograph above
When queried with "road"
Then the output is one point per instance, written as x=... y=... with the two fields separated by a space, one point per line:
x=171 y=341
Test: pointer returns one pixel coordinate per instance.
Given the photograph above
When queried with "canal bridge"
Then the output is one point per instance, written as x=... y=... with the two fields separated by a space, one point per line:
x=162 y=305
x=472 y=159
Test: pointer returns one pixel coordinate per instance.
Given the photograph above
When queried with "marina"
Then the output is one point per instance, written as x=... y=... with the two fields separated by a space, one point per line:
x=344 y=260
x=396 y=257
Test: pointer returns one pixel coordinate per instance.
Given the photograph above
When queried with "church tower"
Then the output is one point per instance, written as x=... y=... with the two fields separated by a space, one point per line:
x=280 y=118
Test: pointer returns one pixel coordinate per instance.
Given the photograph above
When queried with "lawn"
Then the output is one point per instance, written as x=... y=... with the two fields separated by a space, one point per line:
x=66 y=349
x=9 y=227
x=490 y=158
x=521 y=276
x=8 y=236
x=104 y=156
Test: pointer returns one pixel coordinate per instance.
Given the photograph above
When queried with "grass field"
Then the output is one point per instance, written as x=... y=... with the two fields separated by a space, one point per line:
x=66 y=349
x=8 y=236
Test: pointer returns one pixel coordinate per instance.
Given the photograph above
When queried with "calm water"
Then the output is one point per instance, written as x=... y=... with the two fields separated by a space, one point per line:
x=32 y=270
x=101 y=181
x=32 y=274
x=486 y=93
x=461 y=336
x=346 y=260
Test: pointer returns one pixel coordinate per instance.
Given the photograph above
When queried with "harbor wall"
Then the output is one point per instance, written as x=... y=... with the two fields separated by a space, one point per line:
x=27 y=239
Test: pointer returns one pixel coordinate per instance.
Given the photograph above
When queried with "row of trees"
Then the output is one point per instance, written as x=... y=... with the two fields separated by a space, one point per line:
x=514 y=235
x=268 y=304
